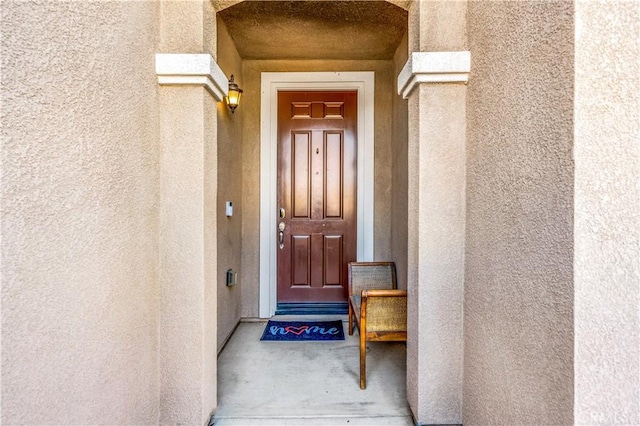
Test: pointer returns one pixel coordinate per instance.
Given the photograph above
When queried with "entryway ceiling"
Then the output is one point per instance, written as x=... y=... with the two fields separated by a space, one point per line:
x=356 y=30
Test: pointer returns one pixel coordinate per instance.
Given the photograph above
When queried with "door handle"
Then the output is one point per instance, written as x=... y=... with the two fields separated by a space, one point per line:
x=281 y=227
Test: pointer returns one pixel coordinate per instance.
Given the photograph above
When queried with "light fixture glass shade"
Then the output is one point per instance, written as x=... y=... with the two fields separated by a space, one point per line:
x=233 y=98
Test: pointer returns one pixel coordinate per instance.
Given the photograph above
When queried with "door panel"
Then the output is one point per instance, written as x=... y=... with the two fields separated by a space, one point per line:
x=301 y=179
x=333 y=175
x=300 y=262
x=317 y=189
x=333 y=259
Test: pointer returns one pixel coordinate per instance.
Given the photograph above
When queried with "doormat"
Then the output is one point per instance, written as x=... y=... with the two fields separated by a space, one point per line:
x=303 y=330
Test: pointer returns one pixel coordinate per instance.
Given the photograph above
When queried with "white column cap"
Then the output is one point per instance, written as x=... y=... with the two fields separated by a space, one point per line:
x=433 y=67
x=194 y=70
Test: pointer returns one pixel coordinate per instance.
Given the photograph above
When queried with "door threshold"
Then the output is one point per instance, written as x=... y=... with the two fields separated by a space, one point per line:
x=339 y=308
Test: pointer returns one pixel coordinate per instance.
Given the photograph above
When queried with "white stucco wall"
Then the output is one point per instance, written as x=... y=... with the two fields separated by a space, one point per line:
x=79 y=191
x=607 y=213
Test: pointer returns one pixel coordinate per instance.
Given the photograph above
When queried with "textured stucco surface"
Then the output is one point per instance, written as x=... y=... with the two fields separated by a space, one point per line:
x=188 y=240
x=384 y=90
x=437 y=25
x=436 y=223
x=296 y=30
x=190 y=27
x=399 y=182
x=181 y=29
x=442 y=25
x=114 y=247
x=80 y=300
x=436 y=220
x=518 y=306
x=211 y=247
x=181 y=253
x=188 y=255
x=607 y=218
x=230 y=188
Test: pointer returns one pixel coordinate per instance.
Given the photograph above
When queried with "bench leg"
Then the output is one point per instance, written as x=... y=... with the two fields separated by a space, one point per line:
x=363 y=360
x=350 y=319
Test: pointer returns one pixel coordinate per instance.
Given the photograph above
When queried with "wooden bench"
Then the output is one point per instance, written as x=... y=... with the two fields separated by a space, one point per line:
x=376 y=307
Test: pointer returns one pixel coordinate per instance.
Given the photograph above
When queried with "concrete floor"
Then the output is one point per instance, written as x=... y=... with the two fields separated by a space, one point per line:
x=309 y=383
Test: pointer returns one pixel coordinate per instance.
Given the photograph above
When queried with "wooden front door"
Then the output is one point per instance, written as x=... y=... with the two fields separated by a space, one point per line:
x=317 y=162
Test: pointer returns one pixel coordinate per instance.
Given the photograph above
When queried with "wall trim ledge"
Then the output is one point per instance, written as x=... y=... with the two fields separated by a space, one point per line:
x=433 y=67
x=438 y=424
x=192 y=69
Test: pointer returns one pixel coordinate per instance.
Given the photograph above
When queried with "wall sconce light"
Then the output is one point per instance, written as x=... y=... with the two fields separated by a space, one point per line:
x=233 y=98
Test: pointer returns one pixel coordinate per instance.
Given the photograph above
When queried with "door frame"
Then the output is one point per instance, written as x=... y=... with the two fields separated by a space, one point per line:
x=363 y=82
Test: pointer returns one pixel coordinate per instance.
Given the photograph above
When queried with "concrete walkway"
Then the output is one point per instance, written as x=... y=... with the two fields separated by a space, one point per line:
x=309 y=383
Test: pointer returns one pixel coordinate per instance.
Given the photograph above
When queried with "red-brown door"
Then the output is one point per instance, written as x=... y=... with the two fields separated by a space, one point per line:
x=316 y=195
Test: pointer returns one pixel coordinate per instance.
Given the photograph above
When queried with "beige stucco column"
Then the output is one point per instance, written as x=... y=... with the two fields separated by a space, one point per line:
x=434 y=82
x=190 y=85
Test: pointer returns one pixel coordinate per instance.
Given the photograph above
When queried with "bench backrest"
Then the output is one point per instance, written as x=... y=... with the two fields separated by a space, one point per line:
x=371 y=275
